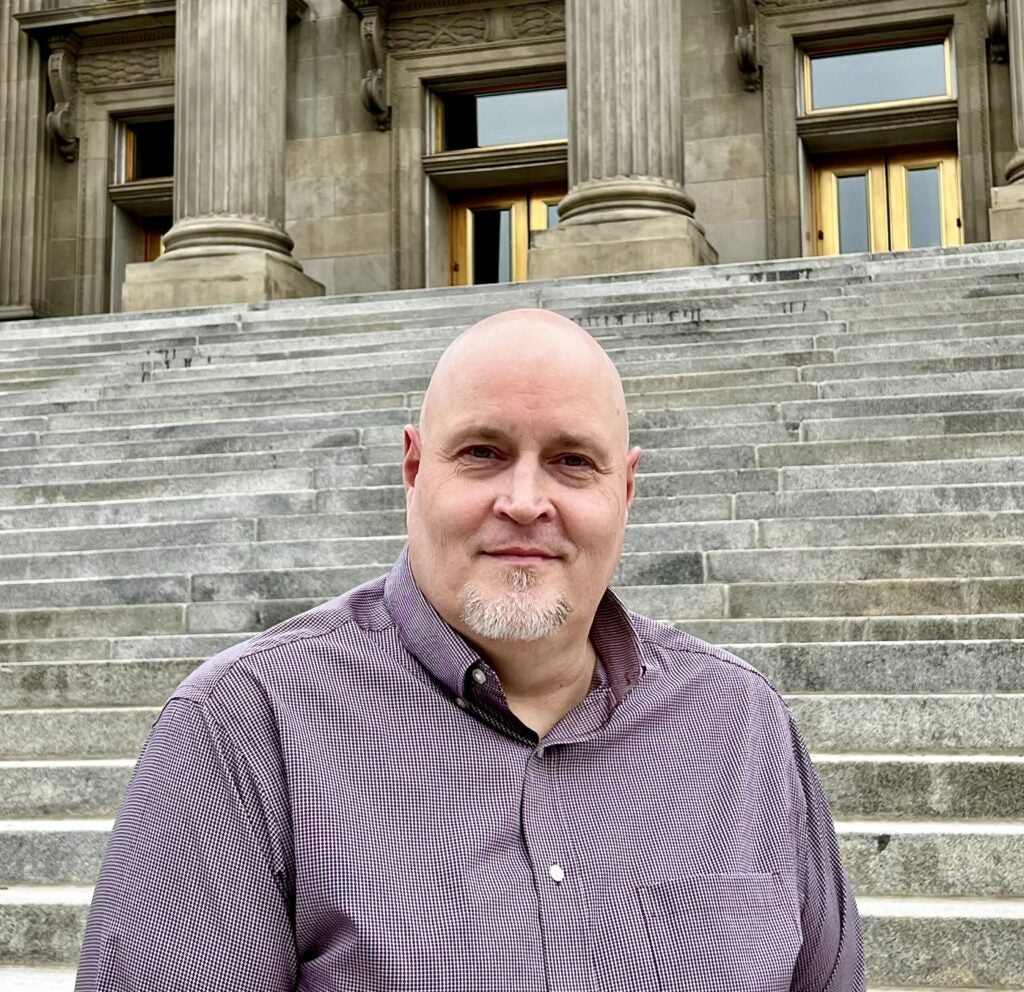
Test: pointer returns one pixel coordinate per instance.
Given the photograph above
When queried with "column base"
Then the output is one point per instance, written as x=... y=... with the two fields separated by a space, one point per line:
x=213 y=278
x=1006 y=218
x=609 y=247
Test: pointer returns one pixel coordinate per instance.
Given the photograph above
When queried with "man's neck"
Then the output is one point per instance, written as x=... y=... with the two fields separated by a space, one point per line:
x=542 y=680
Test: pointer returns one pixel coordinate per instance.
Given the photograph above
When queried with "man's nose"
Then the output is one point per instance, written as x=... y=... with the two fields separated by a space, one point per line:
x=524 y=497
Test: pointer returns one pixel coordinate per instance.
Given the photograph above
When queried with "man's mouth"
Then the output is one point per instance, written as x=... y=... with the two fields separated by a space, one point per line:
x=520 y=554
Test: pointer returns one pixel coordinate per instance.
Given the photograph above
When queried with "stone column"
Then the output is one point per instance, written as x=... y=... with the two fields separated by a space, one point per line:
x=23 y=162
x=627 y=208
x=228 y=243
x=1006 y=217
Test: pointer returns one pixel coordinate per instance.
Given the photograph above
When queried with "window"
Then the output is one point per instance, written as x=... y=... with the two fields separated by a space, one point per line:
x=485 y=119
x=870 y=77
x=148 y=150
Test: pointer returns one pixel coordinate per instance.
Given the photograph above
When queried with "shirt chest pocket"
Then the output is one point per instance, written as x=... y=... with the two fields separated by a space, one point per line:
x=712 y=933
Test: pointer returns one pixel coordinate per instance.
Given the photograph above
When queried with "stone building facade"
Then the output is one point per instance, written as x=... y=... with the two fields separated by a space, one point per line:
x=165 y=153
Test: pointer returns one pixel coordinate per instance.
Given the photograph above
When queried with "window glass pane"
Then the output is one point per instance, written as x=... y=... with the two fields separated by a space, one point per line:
x=852 y=194
x=925 y=207
x=492 y=246
x=477 y=120
x=552 y=215
x=878 y=76
x=154 y=150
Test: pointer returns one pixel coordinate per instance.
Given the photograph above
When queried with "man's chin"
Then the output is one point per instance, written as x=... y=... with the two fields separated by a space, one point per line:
x=506 y=614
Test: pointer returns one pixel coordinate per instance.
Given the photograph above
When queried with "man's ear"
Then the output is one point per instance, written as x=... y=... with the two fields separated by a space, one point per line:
x=632 y=460
x=410 y=457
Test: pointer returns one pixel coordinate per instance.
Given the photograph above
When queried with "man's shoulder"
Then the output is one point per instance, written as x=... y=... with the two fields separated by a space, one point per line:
x=686 y=656
x=338 y=631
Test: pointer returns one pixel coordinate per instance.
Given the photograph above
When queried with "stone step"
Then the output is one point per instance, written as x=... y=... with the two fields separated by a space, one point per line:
x=254 y=462
x=904 y=449
x=923 y=786
x=934 y=858
x=934 y=943
x=279 y=480
x=894 y=530
x=135 y=647
x=843 y=337
x=845 y=564
x=14 y=978
x=886 y=597
x=1002 y=345
x=42 y=925
x=198 y=533
x=62 y=732
x=867 y=669
x=879 y=475
x=931 y=723
x=217 y=506
x=912 y=425
x=968 y=400
x=938 y=627
x=38 y=452
x=101 y=682
x=907 y=385
x=216 y=427
x=881 y=501
x=83 y=592
x=91 y=622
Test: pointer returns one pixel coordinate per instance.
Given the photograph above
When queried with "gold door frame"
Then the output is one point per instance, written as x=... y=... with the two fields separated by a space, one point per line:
x=528 y=213
x=887 y=196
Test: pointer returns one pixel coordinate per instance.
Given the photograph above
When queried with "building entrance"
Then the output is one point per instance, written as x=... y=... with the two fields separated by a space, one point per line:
x=888 y=201
x=491 y=232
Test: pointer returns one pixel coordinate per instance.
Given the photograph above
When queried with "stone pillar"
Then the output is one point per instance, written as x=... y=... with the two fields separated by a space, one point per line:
x=1006 y=218
x=24 y=157
x=228 y=243
x=627 y=209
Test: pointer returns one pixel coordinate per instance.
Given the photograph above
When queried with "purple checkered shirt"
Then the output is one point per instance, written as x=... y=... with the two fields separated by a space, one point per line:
x=345 y=803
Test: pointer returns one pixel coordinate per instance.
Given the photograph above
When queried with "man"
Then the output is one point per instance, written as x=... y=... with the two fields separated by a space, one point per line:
x=481 y=773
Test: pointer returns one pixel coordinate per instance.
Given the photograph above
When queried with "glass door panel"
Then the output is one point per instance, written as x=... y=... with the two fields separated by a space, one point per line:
x=850 y=207
x=924 y=201
x=890 y=202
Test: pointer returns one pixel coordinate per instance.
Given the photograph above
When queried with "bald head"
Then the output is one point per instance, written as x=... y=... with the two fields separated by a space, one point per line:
x=527 y=339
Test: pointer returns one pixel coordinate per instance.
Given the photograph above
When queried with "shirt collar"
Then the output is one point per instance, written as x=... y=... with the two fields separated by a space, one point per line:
x=448 y=657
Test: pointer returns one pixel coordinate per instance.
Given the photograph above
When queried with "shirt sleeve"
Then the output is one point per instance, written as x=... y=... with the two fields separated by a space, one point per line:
x=832 y=956
x=187 y=898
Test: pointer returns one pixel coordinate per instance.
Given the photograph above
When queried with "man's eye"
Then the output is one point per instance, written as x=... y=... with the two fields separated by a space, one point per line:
x=480 y=451
x=575 y=461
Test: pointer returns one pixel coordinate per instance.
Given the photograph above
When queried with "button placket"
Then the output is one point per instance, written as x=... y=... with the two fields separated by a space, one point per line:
x=564 y=916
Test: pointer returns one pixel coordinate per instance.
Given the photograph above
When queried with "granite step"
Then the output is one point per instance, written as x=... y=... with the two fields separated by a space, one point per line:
x=894 y=530
x=936 y=627
x=912 y=425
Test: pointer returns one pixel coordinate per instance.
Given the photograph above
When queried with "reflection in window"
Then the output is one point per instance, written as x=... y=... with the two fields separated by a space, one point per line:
x=478 y=120
x=880 y=75
x=854 y=229
x=924 y=205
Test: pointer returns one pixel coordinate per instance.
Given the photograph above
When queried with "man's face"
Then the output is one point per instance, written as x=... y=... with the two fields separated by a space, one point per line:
x=518 y=486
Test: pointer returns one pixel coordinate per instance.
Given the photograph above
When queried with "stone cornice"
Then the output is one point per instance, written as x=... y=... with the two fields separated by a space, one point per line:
x=416 y=8
x=115 y=16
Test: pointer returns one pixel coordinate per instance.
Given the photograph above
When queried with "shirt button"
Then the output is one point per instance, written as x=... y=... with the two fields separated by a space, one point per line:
x=539 y=752
x=557 y=873
x=460 y=702
x=479 y=676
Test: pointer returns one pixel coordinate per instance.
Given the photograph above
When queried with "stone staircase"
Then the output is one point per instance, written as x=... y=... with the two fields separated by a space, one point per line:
x=833 y=487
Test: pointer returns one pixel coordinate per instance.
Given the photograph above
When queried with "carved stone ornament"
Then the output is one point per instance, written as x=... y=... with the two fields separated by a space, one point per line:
x=60 y=69
x=372 y=30
x=998 y=31
x=746 y=44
